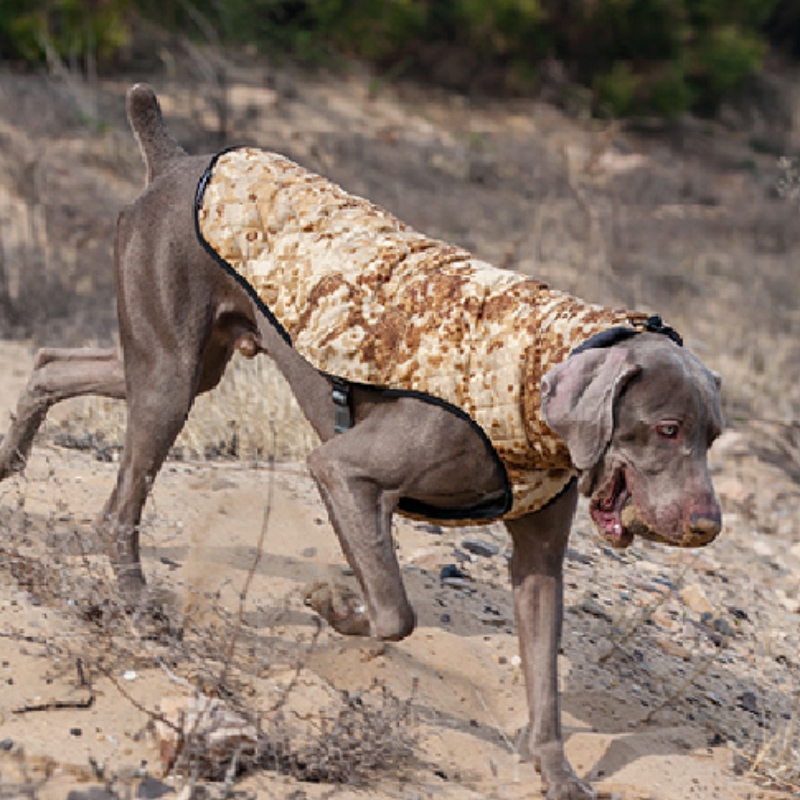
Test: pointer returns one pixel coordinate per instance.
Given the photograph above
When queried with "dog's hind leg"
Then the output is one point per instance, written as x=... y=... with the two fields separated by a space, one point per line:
x=58 y=374
x=162 y=387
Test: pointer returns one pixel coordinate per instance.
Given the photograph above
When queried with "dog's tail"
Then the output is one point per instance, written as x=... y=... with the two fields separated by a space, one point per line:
x=159 y=149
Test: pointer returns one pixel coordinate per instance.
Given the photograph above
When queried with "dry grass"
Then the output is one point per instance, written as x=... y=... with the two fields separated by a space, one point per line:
x=243 y=698
x=251 y=416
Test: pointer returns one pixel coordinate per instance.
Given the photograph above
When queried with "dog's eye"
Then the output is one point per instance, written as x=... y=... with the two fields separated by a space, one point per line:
x=668 y=430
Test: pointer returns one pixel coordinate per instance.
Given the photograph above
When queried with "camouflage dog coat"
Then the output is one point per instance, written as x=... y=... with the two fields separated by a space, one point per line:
x=365 y=298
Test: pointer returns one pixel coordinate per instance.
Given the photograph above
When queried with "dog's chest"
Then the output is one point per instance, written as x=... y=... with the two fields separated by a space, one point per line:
x=364 y=297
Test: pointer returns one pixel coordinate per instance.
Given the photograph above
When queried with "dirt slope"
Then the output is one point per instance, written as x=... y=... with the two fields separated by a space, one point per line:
x=680 y=670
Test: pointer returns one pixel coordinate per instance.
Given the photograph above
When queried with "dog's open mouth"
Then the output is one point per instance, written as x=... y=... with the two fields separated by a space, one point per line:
x=606 y=509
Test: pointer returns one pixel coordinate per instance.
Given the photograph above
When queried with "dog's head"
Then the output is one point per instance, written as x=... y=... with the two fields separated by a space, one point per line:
x=638 y=419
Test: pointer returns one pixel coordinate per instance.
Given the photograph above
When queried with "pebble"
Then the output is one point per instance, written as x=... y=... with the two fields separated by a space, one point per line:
x=706 y=564
x=450 y=572
x=663 y=584
x=428 y=527
x=151 y=788
x=497 y=620
x=763 y=548
x=694 y=598
x=579 y=558
x=718 y=624
x=749 y=702
x=457 y=583
x=480 y=547
x=673 y=648
x=425 y=557
x=595 y=609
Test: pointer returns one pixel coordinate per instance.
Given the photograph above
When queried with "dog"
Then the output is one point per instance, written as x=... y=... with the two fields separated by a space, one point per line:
x=439 y=386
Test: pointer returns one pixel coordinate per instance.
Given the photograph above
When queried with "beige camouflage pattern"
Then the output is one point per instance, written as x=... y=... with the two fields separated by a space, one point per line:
x=366 y=298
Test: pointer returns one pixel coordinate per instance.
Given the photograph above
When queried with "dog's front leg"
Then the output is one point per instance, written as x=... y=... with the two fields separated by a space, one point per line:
x=398 y=448
x=360 y=510
x=540 y=543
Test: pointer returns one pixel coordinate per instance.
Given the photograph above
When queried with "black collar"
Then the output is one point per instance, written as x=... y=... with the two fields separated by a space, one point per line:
x=620 y=333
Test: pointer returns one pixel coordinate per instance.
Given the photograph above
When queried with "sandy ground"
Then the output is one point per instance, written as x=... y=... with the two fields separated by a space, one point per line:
x=77 y=704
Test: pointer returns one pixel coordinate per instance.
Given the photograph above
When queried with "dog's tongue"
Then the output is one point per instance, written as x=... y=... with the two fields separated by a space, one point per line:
x=607 y=517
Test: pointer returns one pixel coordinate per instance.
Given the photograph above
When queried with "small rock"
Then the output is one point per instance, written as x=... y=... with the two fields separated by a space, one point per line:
x=428 y=527
x=152 y=789
x=595 y=609
x=706 y=565
x=662 y=585
x=479 y=547
x=496 y=620
x=694 y=598
x=705 y=630
x=425 y=557
x=749 y=702
x=673 y=648
x=6 y=744
x=578 y=558
x=457 y=583
x=722 y=626
x=763 y=547
x=739 y=613
x=450 y=572
x=739 y=765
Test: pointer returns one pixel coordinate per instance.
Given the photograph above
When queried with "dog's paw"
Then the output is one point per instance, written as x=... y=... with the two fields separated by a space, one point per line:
x=339 y=606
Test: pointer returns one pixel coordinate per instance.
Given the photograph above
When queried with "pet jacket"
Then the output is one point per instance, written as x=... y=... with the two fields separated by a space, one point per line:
x=365 y=298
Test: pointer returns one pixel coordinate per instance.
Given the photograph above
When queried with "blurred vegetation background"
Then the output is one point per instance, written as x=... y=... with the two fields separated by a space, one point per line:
x=626 y=57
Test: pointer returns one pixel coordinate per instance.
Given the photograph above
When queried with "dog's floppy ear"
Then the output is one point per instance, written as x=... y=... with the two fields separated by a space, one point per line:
x=578 y=400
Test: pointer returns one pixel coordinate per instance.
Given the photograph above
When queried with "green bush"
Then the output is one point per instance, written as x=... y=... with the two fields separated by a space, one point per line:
x=684 y=54
x=71 y=29
x=615 y=91
x=670 y=93
x=637 y=56
x=726 y=56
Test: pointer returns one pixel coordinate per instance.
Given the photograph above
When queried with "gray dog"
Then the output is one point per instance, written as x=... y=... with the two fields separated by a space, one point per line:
x=440 y=387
